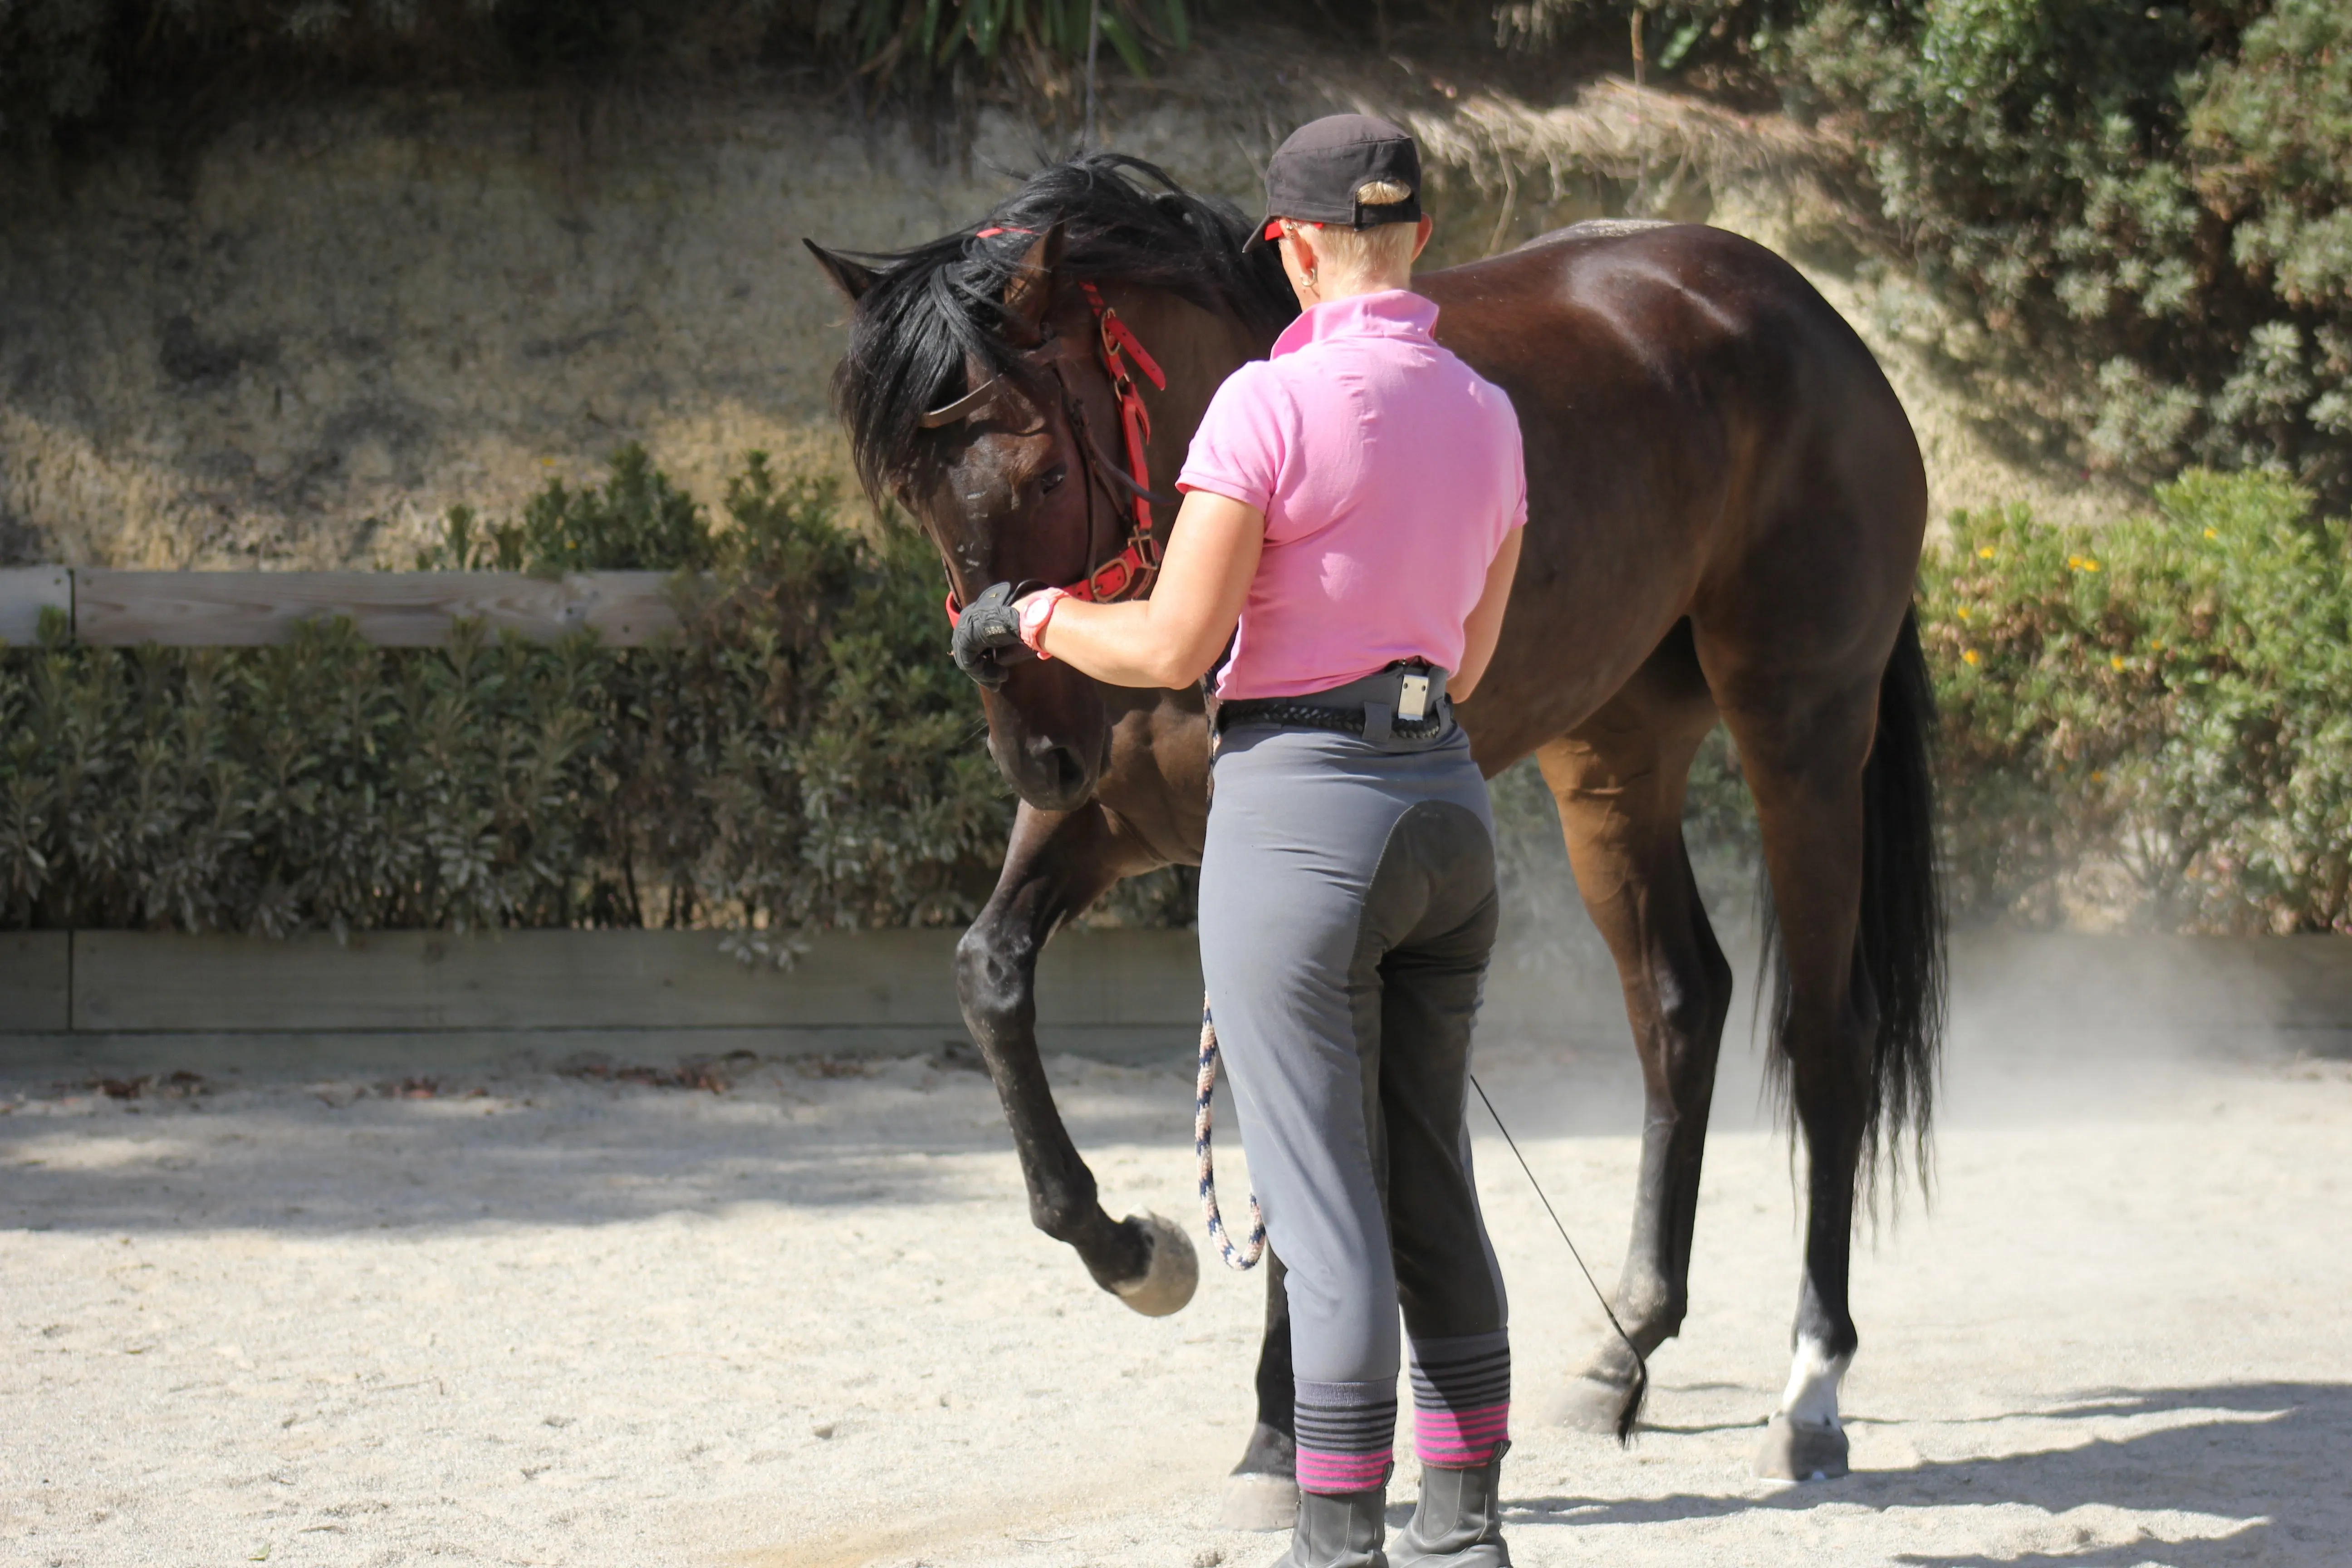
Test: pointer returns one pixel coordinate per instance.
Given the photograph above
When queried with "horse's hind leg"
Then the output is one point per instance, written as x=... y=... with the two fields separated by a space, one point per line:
x=1620 y=779
x=1804 y=766
x=1263 y=1492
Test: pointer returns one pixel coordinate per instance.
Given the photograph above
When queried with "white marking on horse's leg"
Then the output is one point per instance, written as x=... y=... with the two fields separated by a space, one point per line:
x=1811 y=1397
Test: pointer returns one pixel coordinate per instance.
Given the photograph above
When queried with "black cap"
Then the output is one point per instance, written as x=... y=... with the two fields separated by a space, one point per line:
x=1315 y=175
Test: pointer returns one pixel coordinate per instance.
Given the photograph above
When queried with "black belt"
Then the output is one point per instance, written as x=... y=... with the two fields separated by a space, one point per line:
x=1290 y=713
x=1348 y=710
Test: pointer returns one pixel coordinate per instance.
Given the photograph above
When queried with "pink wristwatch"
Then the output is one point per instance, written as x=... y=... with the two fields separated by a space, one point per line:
x=1036 y=611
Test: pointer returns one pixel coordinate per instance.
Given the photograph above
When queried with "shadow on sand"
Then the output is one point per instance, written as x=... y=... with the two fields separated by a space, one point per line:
x=2264 y=1456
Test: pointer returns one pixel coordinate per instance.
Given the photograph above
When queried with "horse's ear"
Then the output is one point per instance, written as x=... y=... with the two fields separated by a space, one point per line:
x=1030 y=289
x=847 y=275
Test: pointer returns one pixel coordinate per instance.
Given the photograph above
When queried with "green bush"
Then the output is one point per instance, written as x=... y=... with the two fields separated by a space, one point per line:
x=803 y=755
x=2139 y=215
x=2169 y=699
x=2156 y=718
x=636 y=521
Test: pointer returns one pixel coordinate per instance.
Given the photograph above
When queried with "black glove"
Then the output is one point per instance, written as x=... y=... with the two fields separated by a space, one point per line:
x=988 y=625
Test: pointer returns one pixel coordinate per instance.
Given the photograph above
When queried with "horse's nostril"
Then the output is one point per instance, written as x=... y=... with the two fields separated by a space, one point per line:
x=1061 y=770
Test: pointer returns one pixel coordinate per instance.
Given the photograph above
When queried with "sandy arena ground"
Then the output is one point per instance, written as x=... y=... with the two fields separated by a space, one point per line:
x=804 y=1323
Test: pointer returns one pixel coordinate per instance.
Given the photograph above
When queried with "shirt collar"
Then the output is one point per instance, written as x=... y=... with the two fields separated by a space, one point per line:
x=1389 y=313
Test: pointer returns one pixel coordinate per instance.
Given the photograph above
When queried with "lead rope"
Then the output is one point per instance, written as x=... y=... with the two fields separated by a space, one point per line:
x=1235 y=1258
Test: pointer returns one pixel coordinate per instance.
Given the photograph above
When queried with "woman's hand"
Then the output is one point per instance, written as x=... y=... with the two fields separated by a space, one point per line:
x=1171 y=638
x=989 y=626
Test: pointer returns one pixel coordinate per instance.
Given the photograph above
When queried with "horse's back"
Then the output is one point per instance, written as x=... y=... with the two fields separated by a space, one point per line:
x=1705 y=436
x=1689 y=306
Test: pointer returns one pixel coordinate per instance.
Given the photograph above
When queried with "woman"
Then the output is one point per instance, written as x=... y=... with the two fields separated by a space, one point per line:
x=1351 y=523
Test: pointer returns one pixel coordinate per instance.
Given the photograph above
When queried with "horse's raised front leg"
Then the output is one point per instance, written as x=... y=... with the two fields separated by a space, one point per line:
x=1619 y=780
x=1057 y=864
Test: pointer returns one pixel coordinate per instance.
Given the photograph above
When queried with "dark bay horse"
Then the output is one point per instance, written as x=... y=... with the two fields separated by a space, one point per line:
x=1725 y=509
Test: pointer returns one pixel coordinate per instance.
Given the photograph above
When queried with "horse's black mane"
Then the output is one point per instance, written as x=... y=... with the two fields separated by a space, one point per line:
x=943 y=301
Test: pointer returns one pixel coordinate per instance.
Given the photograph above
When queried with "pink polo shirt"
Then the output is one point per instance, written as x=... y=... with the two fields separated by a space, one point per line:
x=1389 y=473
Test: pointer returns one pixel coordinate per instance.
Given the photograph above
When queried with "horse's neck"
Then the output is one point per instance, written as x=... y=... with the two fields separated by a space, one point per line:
x=1197 y=349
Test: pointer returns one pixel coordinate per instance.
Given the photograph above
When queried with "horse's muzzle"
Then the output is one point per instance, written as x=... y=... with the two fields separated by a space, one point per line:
x=1052 y=775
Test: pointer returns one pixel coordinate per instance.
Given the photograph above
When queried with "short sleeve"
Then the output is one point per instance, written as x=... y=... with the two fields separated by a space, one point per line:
x=1239 y=450
x=1511 y=482
x=1518 y=478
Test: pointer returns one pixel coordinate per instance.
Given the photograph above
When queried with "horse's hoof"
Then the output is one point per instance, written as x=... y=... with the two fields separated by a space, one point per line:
x=1173 y=1274
x=1585 y=1404
x=1259 y=1502
x=1801 y=1451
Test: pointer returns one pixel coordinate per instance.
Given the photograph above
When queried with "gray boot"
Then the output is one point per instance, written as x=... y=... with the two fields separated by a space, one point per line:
x=1459 y=1522
x=1339 y=1529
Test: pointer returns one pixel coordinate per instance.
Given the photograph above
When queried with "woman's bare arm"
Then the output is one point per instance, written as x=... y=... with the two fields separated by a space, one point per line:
x=1484 y=627
x=1171 y=638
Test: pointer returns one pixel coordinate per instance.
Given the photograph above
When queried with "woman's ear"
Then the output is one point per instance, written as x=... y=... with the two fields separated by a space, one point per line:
x=1300 y=260
x=1420 y=238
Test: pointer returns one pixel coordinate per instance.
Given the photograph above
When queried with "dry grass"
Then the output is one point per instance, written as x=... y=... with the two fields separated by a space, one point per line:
x=1620 y=132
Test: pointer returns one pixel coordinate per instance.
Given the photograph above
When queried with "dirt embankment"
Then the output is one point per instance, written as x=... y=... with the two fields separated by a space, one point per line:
x=299 y=340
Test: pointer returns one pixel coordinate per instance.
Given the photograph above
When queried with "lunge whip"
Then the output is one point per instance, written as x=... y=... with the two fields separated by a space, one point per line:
x=1632 y=1410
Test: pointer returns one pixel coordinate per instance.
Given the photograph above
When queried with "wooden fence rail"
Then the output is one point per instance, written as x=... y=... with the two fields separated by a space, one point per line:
x=389 y=609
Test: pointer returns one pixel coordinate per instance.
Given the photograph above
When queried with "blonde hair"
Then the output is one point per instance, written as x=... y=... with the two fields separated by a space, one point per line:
x=1379 y=250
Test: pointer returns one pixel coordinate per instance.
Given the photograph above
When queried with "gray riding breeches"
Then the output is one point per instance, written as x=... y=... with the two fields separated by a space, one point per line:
x=1348 y=910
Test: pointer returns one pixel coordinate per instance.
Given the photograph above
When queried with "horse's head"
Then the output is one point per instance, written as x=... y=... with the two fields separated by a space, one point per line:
x=999 y=473
x=978 y=397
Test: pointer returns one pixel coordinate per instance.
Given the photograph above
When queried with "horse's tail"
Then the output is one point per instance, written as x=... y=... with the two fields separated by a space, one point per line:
x=1900 y=937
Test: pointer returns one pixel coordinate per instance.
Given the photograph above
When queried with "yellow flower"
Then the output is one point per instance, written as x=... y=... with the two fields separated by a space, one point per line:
x=2089 y=565
x=2098 y=777
x=2212 y=533
x=1964 y=612
x=1985 y=552
x=2115 y=661
x=1970 y=656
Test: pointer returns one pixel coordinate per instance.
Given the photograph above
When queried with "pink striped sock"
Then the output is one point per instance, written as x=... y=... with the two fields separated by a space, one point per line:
x=1460 y=1399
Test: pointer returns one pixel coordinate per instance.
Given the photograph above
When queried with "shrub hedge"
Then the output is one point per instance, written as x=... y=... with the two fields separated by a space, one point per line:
x=801 y=755
x=2156 y=719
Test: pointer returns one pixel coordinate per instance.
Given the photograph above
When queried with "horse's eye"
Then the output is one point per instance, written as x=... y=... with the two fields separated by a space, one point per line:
x=1053 y=479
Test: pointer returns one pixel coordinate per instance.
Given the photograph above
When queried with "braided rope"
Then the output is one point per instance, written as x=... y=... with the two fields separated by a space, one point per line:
x=1234 y=1257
